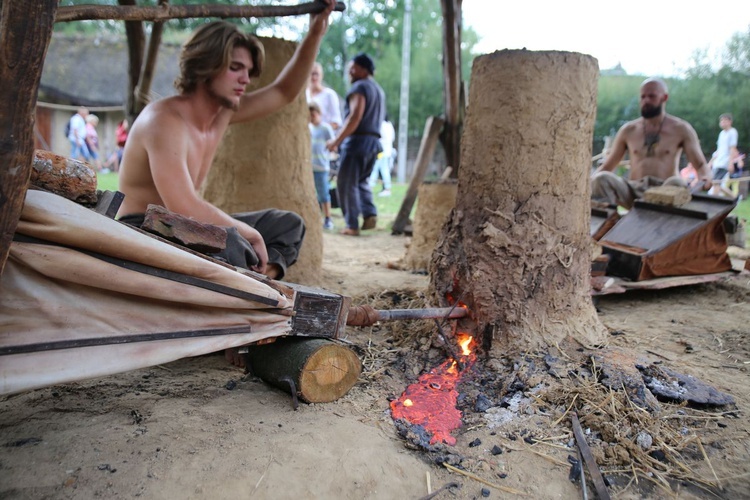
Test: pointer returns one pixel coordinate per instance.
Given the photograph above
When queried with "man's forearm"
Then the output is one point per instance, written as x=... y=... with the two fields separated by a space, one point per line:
x=296 y=73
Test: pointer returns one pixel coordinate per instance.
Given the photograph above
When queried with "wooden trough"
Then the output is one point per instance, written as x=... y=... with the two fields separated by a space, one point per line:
x=653 y=241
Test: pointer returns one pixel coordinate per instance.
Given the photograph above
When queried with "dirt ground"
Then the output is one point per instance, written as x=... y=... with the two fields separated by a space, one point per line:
x=178 y=431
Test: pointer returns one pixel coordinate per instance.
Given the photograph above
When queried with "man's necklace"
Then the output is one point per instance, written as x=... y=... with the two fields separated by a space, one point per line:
x=651 y=140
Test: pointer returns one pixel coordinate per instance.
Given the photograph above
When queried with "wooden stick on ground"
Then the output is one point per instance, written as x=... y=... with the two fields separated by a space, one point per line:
x=596 y=475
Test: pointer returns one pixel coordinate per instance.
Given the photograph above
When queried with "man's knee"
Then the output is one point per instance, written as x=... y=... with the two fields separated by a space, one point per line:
x=603 y=183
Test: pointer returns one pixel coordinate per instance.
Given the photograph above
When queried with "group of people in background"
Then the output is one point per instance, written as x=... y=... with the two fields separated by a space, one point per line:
x=360 y=146
x=84 y=141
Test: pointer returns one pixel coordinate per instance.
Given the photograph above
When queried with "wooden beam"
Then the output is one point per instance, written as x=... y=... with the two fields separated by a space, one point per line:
x=426 y=151
x=452 y=83
x=143 y=89
x=167 y=12
x=136 y=44
x=25 y=31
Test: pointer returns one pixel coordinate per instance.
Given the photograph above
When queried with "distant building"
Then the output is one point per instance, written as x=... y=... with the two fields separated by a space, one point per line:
x=616 y=71
x=92 y=71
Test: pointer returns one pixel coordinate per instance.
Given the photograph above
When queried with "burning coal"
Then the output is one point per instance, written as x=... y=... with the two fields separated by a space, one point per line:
x=431 y=401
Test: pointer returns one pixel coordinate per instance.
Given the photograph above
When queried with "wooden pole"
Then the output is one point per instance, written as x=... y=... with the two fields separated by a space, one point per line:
x=165 y=13
x=25 y=31
x=136 y=44
x=451 y=138
x=143 y=88
x=426 y=150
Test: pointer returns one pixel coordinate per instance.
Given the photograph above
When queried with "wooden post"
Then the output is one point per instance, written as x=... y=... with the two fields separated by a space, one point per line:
x=143 y=88
x=426 y=150
x=25 y=31
x=451 y=138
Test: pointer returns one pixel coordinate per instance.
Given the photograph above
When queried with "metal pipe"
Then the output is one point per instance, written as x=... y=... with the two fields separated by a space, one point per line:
x=428 y=313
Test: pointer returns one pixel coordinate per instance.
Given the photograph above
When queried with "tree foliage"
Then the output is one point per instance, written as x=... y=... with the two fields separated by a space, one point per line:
x=376 y=27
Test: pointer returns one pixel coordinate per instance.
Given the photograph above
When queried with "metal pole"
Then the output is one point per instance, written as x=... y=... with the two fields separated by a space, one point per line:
x=403 y=109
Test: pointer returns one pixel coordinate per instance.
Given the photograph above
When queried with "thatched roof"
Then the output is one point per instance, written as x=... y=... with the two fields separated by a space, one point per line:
x=93 y=70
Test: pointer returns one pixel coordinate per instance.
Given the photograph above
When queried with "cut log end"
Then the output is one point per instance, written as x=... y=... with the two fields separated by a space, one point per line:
x=329 y=373
x=322 y=370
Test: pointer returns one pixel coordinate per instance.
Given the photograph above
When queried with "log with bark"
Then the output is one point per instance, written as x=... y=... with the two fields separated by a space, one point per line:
x=69 y=178
x=315 y=370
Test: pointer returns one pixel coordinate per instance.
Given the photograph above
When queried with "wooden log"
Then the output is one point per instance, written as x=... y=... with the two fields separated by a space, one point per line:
x=69 y=178
x=321 y=370
x=190 y=233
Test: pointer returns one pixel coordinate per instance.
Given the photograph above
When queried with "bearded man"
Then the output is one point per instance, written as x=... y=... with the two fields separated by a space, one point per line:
x=654 y=144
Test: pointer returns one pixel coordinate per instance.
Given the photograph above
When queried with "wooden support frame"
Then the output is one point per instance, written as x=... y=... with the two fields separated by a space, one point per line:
x=426 y=151
x=25 y=32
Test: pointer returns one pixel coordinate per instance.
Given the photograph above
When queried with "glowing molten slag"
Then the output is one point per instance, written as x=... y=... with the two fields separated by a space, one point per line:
x=431 y=401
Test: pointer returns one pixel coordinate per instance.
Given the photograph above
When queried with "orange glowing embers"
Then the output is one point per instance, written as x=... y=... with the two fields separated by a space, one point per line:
x=431 y=401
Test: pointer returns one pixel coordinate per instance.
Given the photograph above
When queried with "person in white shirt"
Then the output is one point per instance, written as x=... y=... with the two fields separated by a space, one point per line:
x=723 y=160
x=77 y=135
x=384 y=163
x=325 y=97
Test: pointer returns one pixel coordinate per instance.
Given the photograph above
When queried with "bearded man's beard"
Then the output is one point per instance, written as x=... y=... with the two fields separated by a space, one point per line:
x=648 y=111
x=223 y=101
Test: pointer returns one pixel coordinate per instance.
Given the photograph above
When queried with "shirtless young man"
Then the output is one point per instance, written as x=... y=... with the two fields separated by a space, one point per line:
x=654 y=143
x=172 y=144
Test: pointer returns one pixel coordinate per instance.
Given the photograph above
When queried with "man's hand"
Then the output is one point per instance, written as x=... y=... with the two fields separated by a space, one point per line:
x=256 y=241
x=705 y=183
x=331 y=145
x=319 y=22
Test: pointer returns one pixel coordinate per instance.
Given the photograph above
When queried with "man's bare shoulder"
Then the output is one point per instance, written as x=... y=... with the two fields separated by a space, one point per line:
x=167 y=112
x=631 y=126
x=678 y=124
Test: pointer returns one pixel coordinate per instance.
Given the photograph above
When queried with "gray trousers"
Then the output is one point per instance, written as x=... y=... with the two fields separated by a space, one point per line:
x=612 y=189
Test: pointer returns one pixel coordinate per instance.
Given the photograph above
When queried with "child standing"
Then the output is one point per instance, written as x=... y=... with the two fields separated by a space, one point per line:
x=320 y=133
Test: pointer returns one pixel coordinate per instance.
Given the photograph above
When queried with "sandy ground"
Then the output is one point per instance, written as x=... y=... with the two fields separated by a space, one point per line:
x=177 y=431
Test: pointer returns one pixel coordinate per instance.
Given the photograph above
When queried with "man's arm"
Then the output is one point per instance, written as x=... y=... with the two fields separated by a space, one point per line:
x=616 y=154
x=692 y=148
x=167 y=147
x=357 y=103
x=292 y=79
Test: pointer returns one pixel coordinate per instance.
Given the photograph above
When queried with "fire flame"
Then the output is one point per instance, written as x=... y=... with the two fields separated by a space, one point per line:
x=431 y=401
x=464 y=341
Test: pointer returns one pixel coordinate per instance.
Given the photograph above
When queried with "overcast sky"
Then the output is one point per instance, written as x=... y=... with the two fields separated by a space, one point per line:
x=652 y=38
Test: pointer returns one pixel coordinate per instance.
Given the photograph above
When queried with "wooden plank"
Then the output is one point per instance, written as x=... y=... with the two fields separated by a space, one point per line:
x=25 y=31
x=426 y=150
